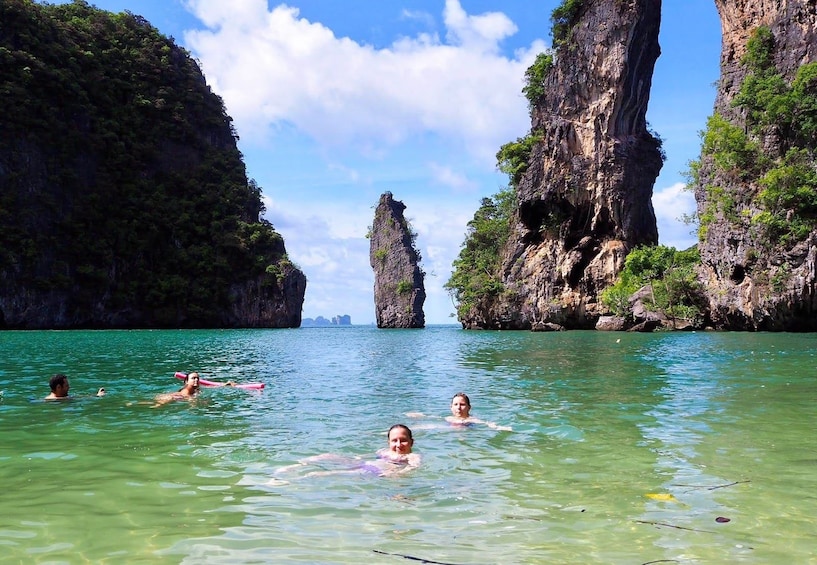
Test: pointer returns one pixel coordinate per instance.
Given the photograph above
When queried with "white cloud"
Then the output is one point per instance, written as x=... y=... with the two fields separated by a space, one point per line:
x=446 y=176
x=335 y=262
x=671 y=204
x=423 y=17
x=481 y=33
x=276 y=69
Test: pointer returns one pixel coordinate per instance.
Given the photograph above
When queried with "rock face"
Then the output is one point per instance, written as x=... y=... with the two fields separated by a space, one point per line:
x=754 y=283
x=585 y=200
x=399 y=291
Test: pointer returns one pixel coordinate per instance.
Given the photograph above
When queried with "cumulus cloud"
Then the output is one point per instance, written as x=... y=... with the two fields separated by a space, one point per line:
x=276 y=69
x=481 y=33
x=334 y=256
x=455 y=180
x=671 y=205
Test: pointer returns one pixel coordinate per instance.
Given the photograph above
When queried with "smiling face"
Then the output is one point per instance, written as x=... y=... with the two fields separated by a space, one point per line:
x=460 y=407
x=400 y=440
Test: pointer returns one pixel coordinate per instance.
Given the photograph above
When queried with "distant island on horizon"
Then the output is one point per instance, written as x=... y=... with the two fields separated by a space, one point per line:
x=320 y=321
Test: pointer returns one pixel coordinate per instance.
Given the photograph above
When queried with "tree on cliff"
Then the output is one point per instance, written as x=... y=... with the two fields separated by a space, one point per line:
x=124 y=201
x=399 y=290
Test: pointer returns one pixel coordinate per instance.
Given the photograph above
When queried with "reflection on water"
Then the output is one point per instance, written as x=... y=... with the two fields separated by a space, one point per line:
x=692 y=448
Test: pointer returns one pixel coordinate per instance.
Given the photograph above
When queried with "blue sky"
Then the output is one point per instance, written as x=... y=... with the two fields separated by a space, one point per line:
x=338 y=102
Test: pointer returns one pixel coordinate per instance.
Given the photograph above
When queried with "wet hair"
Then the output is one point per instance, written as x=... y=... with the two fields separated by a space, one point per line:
x=400 y=426
x=464 y=397
x=57 y=380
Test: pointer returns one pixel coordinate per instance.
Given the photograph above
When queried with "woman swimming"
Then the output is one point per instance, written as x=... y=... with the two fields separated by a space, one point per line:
x=394 y=459
x=461 y=414
x=399 y=452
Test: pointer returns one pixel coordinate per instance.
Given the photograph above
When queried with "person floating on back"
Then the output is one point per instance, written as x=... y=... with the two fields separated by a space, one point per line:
x=395 y=459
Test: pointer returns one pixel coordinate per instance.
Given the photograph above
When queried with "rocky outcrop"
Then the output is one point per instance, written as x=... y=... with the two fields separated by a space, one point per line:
x=260 y=303
x=585 y=200
x=754 y=282
x=399 y=291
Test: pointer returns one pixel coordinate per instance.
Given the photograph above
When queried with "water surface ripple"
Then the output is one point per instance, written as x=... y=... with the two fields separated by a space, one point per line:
x=625 y=448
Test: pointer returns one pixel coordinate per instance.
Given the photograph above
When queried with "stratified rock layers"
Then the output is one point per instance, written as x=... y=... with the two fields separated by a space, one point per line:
x=399 y=292
x=585 y=200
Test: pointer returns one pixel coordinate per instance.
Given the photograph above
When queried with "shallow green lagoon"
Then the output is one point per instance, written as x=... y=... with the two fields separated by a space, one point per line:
x=626 y=448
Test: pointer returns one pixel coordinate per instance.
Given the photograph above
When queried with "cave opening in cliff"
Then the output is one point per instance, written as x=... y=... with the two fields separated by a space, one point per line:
x=738 y=274
x=580 y=221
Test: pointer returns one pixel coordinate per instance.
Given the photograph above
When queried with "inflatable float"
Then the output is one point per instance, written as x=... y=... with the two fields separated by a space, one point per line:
x=205 y=382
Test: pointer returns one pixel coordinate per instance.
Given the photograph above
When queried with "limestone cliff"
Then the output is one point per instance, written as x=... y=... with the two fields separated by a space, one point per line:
x=759 y=270
x=399 y=291
x=585 y=199
x=124 y=201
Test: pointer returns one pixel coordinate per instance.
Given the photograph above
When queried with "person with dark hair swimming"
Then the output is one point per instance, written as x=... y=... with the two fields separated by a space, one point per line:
x=395 y=459
x=60 y=386
x=461 y=414
x=188 y=391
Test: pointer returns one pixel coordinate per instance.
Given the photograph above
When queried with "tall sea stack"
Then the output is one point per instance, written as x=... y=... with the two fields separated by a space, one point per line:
x=399 y=291
x=585 y=200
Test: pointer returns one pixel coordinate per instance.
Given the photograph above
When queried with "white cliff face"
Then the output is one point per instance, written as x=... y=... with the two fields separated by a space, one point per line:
x=586 y=198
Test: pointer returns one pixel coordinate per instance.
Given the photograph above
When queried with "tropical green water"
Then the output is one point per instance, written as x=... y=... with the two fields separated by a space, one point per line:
x=626 y=448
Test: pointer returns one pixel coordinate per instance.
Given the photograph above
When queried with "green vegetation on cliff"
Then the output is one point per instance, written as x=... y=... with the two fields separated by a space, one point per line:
x=563 y=18
x=122 y=188
x=786 y=115
x=535 y=77
x=670 y=274
x=476 y=279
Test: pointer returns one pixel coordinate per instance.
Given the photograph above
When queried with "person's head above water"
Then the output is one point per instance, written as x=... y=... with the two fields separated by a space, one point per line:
x=461 y=405
x=59 y=386
x=191 y=383
x=400 y=439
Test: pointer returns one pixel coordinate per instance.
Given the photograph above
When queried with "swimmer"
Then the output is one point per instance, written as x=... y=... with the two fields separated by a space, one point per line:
x=188 y=391
x=461 y=414
x=399 y=451
x=395 y=459
x=60 y=386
